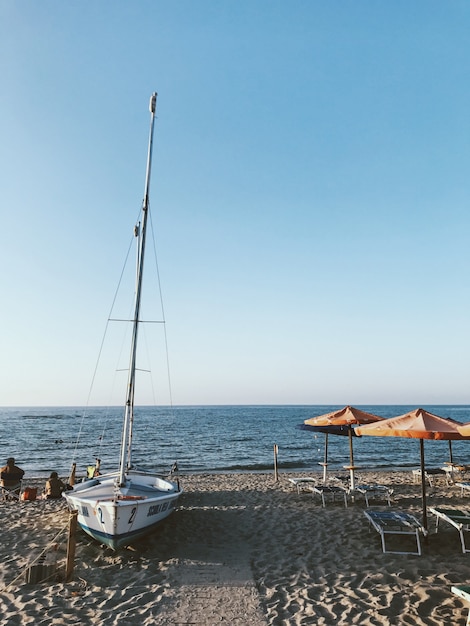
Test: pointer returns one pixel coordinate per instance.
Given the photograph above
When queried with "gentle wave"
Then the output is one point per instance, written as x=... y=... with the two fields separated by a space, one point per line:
x=208 y=439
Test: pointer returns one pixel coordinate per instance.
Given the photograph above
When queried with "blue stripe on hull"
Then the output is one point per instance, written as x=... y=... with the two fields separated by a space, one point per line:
x=118 y=541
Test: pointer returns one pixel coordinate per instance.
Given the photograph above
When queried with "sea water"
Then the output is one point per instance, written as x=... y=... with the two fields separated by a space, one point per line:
x=208 y=439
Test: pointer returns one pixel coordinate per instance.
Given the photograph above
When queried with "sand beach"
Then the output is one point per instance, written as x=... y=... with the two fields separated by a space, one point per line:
x=241 y=549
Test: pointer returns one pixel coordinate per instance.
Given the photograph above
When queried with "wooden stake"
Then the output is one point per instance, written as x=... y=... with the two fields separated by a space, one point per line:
x=276 y=476
x=71 y=543
x=72 y=475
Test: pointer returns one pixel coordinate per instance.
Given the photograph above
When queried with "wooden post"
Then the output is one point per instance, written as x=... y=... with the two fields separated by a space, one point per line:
x=72 y=475
x=276 y=476
x=71 y=542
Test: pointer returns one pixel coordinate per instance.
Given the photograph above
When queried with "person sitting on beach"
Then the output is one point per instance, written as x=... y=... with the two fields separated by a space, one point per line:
x=11 y=476
x=54 y=487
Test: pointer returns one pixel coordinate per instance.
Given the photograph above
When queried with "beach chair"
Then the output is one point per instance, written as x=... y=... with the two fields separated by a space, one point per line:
x=454 y=472
x=463 y=487
x=302 y=483
x=463 y=592
x=458 y=518
x=10 y=490
x=396 y=523
x=330 y=490
x=373 y=492
x=429 y=474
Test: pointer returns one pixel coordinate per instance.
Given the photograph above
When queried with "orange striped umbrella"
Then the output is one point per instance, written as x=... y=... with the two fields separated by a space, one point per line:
x=417 y=424
x=347 y=417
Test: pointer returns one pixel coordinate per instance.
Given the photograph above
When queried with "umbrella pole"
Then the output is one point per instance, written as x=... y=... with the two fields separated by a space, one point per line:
x=351 y=458
x=325 y=462
x=423 y=486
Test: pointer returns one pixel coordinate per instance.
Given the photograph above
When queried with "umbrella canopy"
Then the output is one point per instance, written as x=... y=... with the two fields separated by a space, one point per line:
x=340 y=422
x=464 y=429
x=417 y=424
x=342 y=417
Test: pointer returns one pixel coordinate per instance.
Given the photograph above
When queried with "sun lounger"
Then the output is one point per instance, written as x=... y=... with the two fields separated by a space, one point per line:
x=302 y=483
x=330 y=490
x=396 y=523
x=458 y=518
x=373 y=492
x=463 y=592
x=463 y=487
x=429 y=474
x=454 y=472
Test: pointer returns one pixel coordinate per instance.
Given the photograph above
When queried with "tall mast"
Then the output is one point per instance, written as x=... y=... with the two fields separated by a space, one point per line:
x=126 y=442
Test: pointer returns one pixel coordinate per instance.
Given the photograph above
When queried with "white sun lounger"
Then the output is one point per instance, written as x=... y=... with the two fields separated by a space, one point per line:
x=454 y=472
x=430 y=474
x=302 y=483
x=457 y=518
x=330 y=490
x=463 y=487
x=396 y=523
x=378 y=492
x=463 y=592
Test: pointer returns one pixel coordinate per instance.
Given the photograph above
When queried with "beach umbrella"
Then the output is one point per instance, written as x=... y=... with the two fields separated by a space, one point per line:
x=464 y=429
x=340 y=422
x=326 y=430
x=417 y=424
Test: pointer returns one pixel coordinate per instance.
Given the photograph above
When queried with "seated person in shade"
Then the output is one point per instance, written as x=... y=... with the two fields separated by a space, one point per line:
x=11 y=476
x=54 y=487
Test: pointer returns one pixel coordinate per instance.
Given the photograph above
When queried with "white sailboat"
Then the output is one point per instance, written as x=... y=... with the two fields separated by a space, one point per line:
x=119 y=508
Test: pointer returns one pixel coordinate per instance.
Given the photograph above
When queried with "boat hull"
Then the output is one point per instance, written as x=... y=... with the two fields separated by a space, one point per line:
x=119 y=516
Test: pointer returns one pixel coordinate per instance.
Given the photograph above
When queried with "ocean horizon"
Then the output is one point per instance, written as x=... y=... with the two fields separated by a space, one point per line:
x=209 y=438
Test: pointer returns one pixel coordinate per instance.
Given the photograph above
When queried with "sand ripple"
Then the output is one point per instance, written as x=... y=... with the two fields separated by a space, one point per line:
x=242 y=549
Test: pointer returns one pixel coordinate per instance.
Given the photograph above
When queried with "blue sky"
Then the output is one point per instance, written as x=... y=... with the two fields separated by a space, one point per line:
x=310 y=192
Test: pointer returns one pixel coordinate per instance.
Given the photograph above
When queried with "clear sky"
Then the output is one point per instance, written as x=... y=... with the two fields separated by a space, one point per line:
x=310 y=188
